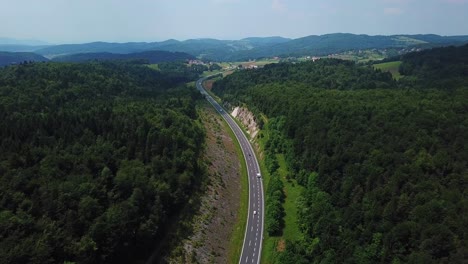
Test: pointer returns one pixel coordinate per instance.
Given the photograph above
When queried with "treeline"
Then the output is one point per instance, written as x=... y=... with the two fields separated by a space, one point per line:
x=276 y=144
x=384 y=167
x=444 y=68
x=325 y=73
x=180 y=71
x=96 y=160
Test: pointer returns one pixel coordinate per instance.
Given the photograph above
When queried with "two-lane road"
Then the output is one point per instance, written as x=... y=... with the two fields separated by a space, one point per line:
x=252 y=247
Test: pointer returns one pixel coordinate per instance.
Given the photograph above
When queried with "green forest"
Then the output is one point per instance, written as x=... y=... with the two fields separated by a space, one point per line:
x=96 y=160
x=383 y=162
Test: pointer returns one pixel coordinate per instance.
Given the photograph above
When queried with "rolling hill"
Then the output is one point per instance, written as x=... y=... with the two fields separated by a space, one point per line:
x=206 y=48
x=8 y=58
x=340 y=42
x=150 y=56
x=252 y=48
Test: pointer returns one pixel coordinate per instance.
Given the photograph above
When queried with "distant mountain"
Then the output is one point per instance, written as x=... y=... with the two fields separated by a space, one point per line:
x=340 y=42
x=19 y=48
x=93 y=47
x=150 y=56
x=8 y=58
x=205 y=48
x=26 y=42
x=255 y=47
x=266 y=40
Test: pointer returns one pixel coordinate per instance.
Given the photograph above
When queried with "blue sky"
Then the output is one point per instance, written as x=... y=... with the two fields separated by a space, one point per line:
x=76 y=21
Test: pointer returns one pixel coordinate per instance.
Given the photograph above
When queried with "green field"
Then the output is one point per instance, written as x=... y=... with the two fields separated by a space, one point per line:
x=237 y=238
x=292 y=190
x=391 y=67
x=154 y=66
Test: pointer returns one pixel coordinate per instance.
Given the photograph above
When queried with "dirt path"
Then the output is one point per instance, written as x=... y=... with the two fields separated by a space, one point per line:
x=214 y=223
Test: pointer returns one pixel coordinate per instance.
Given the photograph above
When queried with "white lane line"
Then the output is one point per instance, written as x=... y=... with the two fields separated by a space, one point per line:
x=250 y=241
x=246 y=258
x=251 y=229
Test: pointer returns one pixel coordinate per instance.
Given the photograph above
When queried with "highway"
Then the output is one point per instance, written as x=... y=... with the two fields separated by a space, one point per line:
x=252 y=246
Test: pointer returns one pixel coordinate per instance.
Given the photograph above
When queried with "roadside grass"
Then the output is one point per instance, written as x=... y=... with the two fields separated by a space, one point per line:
x=208 y=73
x=391 y=67
x=237 y=238
x=292 y=190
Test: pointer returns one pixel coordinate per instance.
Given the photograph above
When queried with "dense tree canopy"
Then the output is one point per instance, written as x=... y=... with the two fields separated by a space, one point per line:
x=95 y=159
x=444 y=68
x=384 y=166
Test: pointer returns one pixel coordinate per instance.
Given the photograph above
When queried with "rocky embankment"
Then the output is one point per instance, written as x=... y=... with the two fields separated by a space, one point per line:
x=247 y=118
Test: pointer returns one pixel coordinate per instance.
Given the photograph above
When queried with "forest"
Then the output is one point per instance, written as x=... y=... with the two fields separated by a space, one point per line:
x=383 y=162
x=96 y=160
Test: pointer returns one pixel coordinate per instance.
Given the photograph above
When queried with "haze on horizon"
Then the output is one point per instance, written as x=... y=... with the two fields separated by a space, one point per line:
x=78 y=21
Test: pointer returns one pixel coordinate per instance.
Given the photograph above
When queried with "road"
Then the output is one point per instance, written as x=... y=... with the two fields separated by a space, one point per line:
x=252 y=246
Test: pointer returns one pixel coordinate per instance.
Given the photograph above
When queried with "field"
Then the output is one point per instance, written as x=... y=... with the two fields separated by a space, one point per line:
x=391 y=67
x=274 y=244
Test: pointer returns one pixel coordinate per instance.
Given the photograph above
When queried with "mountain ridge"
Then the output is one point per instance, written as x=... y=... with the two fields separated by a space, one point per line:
x=255 y=47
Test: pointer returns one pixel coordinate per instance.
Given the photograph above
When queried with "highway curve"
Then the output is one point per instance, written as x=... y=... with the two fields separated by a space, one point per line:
x=252 y=246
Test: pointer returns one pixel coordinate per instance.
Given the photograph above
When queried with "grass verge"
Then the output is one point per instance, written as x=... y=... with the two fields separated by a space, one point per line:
x=237 y=238
x=292 y=190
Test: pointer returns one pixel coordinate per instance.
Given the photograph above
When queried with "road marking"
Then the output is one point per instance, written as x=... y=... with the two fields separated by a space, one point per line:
x=246 y=258
x=250 y=241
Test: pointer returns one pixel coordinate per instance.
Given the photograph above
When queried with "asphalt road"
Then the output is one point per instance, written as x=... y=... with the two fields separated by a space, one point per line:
x=252 y=246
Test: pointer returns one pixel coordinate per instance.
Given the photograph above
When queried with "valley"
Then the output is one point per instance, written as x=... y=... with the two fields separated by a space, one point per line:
x=234 y=131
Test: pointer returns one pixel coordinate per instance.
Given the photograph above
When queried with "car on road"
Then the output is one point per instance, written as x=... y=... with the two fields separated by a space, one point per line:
x=255 y=212
x=259 y=175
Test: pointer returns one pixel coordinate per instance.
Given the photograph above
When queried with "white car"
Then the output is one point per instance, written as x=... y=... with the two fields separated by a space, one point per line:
x=255 y=212
x=259 y=175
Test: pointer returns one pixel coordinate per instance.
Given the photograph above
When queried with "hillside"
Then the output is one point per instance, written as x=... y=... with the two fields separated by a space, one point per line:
x=206 y=48
x=96 y=161
x=258 y=47
x=251 y=48
x=340 y=42
x=8 y=58
x=148 y=56
x=444 y=68
x=382 y=162
x=19 y=48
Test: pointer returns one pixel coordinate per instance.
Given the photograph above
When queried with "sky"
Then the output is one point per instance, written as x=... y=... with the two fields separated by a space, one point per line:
x=79 y=21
